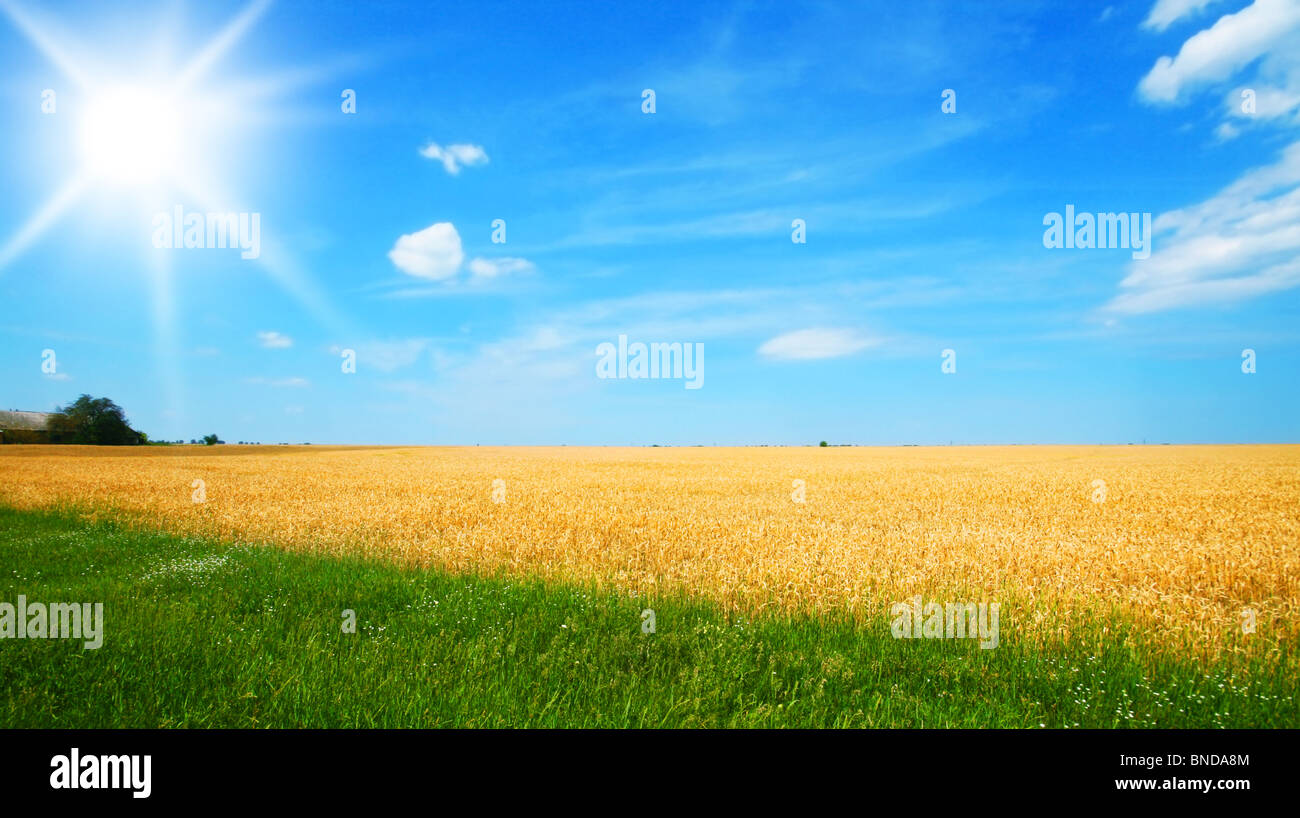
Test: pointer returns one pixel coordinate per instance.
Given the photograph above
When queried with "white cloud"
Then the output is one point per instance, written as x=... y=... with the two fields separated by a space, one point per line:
x=1242 y=242
x=1245 y=240
x=271 y=339
x=1226 y=132
x=453 y=157
x=1270 y=102
x=387 y=356
x=1167 y=12
x=434 y=253
x=810 y=344
x=1218 y=52
x=493 y=267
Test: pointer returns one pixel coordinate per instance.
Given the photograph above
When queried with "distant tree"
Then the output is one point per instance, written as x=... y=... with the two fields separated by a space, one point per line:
x=210 y=440
x=92 y=421
x=824 y=443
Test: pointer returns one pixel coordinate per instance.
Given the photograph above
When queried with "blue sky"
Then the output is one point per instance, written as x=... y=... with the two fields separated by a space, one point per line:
x=924 y=229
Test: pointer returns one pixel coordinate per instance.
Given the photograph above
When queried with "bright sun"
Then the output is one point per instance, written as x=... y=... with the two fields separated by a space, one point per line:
x=130 y=136
x=158 y=140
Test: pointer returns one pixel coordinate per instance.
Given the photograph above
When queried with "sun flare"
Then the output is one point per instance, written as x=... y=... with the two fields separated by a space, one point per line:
x=161 y=136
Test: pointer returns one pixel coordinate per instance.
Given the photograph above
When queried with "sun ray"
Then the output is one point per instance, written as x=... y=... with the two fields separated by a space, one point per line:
x=42 y=219
x=45 y=44
x=223 y=42
x=127 y=145
x=166 y=346
x=282 y=82
x=284 y=269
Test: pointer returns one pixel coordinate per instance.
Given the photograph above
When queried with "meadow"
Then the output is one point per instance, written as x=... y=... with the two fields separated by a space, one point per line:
x=504 y=586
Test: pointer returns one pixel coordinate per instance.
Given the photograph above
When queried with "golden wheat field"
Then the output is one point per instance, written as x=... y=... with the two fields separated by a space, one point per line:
x=1179 y=539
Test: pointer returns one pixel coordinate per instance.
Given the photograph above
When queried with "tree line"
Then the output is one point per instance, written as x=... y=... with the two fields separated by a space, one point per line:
x=100 y=422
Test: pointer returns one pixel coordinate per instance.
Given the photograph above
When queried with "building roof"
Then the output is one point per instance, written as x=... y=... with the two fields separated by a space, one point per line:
x=27 y=421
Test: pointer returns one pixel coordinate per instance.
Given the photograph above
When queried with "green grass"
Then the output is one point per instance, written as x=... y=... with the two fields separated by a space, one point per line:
x=207 y=634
